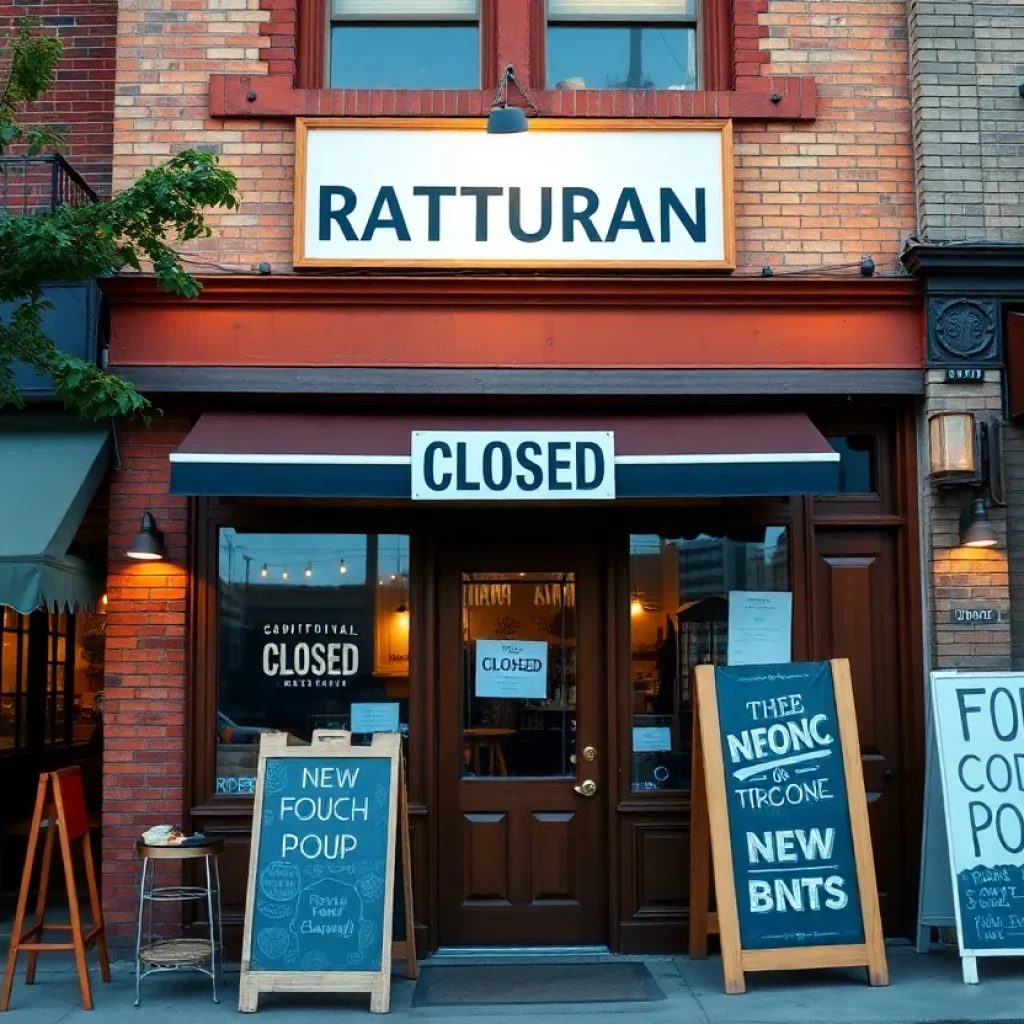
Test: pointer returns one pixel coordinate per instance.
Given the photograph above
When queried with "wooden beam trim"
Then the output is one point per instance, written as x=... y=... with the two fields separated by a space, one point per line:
x=362 y=288
x=783 y=98
x=520 y=383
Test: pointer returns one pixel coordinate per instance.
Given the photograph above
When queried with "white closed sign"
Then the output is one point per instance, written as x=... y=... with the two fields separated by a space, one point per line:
x=516 y=669
x=451 y=465
x=649 y=194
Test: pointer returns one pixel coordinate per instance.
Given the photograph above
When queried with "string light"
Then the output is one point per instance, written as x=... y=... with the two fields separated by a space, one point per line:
x=342 y=567
x=309 y=570
x=264 y=571
x=284 y=574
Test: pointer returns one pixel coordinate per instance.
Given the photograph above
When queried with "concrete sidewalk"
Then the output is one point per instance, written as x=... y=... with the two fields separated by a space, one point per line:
x=924 y=988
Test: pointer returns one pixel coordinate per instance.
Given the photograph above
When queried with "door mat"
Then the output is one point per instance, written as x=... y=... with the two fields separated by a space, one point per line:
x=511 y=984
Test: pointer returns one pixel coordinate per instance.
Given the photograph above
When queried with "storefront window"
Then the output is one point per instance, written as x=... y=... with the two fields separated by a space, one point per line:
x=314 y=634
x=679 y=618
x=13 y=680
x=629 y=44
x=405 y=44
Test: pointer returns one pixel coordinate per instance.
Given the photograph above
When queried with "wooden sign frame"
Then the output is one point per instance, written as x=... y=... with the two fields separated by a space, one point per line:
x=711 y=125
x=60 y=809
x=710 y=829
x=252 y=983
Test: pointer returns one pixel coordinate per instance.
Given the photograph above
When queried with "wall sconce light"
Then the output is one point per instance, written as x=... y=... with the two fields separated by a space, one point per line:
x=636 y=606
x=148 y=545
x=975 y=529
x=967 y=452
x=954 y=448
x=506 y=120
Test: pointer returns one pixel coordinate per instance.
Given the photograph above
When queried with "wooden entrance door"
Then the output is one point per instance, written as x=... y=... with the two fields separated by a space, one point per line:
x=857 y=616
x=521 y=765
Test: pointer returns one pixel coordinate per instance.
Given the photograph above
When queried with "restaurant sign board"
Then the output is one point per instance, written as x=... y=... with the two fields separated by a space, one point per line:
x=422 y=192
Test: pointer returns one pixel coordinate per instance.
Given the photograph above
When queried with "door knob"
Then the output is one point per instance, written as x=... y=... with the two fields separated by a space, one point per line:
x=586 y=788
x=589 y=753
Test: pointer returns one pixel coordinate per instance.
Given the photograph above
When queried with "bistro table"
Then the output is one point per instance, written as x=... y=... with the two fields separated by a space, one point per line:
x=157 y=955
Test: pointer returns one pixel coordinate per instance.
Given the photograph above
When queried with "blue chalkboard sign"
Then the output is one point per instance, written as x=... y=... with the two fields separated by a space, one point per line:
x=789 y=818
x=319 y=904
x=321 y=869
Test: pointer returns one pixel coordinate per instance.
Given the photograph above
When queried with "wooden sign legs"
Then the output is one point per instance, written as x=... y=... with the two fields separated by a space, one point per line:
x=703 y=922
x=60 y=809
x=406 y=949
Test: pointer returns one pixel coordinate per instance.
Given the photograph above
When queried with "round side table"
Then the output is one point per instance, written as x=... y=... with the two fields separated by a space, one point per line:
x=157 y=955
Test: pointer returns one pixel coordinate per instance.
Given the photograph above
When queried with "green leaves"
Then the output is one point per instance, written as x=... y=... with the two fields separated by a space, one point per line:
x=142 y=224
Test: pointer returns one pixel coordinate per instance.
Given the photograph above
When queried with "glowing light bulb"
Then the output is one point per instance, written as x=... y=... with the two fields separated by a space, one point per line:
x=309 y=570
x=342 y=567
x=264 y=571
x=284 y=574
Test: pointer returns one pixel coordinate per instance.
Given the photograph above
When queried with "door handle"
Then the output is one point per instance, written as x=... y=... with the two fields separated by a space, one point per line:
x=586 y=788
x=589 y=753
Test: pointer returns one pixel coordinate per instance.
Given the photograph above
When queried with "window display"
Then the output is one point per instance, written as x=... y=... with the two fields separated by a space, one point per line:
x=310 y=625
x=679 y=618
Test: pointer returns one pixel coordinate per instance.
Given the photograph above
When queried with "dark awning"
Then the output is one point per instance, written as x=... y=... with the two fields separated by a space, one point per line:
x=51 y=467
x=770 y=454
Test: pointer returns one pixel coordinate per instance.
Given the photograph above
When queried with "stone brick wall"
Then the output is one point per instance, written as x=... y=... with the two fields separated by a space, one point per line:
x=145 y=699
x=82 y=101
x=808 y=194
x=962 y=576
x=967 y=62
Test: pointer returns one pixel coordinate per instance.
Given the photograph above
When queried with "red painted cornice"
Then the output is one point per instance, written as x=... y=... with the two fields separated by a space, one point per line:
x=782 y=98
x=495 y=291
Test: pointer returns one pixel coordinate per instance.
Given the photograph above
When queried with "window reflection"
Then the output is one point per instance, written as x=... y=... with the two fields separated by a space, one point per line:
x=679 y=614
x=313 y=629
x=621 y=57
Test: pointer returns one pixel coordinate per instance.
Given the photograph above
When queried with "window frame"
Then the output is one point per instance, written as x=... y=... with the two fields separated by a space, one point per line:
x=689 y=21
x=211 y=515
x=715 y=44
x=313 y=41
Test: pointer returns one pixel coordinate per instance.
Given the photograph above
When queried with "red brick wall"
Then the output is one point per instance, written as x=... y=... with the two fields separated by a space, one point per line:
x=82 y=100
x=144 y=713
x=808 y=194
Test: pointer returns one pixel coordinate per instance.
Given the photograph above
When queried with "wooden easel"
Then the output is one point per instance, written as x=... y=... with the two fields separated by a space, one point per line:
x=710 y=836
x=60 y=809
x=406 y=948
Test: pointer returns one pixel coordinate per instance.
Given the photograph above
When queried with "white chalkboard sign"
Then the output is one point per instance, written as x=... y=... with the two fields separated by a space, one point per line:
x=979 y=728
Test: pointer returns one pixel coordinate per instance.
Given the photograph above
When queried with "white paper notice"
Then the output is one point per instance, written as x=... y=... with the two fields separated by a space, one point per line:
x=651 y=738
x=760 y=627
x=375 y=717
x=512 y=668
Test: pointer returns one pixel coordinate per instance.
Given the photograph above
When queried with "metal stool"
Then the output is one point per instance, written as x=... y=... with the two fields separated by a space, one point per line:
x=158 y=955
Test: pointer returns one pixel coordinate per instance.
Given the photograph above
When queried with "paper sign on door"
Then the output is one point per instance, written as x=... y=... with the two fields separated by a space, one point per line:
x=512 y=668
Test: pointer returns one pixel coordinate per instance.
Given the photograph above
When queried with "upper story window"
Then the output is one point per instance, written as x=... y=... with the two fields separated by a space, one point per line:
x=622 y=44
x=405 y=44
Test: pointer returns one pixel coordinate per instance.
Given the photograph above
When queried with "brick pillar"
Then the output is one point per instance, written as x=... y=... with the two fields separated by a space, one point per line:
x=959 y=576
x=144 y=702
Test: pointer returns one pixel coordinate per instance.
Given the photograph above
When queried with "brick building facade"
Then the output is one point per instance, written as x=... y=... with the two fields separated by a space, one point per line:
x=968 y=125
x=819 y=97
x=823 y=160
x=81 y=103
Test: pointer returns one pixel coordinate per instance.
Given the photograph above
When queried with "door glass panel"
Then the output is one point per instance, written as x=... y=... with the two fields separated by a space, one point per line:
x=518 y=674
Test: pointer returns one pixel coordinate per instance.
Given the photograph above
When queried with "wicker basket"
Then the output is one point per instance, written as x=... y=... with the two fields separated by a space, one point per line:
x=170 y=953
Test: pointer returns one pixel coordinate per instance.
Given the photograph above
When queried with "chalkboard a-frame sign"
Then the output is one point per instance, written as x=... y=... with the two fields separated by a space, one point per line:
x=978 y=721
x=778 y=792
x=319 y=901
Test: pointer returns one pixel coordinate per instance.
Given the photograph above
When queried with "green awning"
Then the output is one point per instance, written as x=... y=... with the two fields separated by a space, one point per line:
x=50 y=469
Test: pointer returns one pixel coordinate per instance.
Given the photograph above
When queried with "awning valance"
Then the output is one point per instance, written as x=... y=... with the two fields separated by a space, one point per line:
x=51 y=467
x=367 y=456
